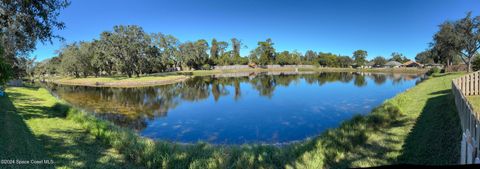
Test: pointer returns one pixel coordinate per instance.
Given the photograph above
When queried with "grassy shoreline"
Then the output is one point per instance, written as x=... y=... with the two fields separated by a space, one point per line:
x=43 y=129
x=121 y=81
x=174 y=77
x=395 y=132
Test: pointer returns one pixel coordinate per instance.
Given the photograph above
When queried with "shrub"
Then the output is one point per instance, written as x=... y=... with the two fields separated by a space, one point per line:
x=206 y=67
x=434 y=70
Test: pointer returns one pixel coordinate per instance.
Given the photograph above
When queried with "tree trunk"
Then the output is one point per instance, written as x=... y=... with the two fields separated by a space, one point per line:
x=469 y=65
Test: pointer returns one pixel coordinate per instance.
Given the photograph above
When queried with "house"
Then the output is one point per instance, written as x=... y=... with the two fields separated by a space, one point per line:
x=432 y=65
x=393 y=64
x=412 y=64
x=369 y=65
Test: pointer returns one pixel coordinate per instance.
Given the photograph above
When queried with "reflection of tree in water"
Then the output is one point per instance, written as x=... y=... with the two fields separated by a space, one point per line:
x=360 y=80
x=128 y=107
x=323 y=77
x=264 y=84
x=379 y=78
x=131 y=107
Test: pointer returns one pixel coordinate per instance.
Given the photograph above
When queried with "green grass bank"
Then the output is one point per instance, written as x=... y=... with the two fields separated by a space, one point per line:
x=419 y=126
x=35 y=126
x=475 y=100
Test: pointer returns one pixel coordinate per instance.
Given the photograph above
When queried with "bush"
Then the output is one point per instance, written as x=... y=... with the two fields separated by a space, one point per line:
x=434 y=70
x=476 y=64
x=206 y=67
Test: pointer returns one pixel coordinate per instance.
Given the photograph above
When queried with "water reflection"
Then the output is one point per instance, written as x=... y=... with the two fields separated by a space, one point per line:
x=234 y=108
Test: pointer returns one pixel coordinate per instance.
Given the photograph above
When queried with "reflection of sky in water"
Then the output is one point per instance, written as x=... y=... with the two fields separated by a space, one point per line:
x=267 y=109
x=291 y=113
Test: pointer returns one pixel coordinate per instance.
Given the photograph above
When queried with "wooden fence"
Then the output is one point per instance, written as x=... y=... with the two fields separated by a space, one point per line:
x=462 y=87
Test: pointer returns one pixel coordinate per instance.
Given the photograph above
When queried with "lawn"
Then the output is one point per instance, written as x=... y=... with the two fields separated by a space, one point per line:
x=122 y=81
x=419 y=126
x=475 y=101
x=36 y=128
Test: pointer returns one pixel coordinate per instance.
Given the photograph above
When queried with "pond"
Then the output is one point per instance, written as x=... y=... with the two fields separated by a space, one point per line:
x=240 y=108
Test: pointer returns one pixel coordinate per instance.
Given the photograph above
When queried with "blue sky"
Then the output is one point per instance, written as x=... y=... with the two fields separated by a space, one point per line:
x=338 y=26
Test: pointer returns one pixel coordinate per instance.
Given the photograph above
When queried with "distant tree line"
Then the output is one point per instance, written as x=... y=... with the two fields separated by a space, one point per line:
x=129 y=50
x=455 y=42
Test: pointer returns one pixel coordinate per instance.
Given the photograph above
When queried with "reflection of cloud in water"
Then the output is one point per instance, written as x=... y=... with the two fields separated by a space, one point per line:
x=317 y=109
x=212 y=136
x=186 y=130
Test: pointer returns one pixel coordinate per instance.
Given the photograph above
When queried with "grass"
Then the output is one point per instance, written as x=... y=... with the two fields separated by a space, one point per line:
x=419 y=126
x=122 y=81
x=38 y=128
x=475 y=101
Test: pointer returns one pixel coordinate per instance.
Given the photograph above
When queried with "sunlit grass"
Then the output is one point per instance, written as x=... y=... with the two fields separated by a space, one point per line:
x=475 y=101
x=122 y=81
x=64 y=141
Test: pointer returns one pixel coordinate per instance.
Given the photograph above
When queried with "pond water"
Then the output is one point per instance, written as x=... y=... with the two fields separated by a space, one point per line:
x=240 y=108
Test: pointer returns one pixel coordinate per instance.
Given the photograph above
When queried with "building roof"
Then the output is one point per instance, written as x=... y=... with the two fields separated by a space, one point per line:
x=393 y=63
x=410 y=63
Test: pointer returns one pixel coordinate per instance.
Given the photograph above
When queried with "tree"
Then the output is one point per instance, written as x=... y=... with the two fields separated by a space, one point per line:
x=194 y=54
x=236 y=46
x=85 y=57
x=398 y=57
x=214 y=52
x=310 y=56
x=128 y=46
x=425 y=57
x=445 y=45
x=467 y=31
x=265 y=52
x=24 y=23
x=360 y=57
x=327 y=59
x=344 y=61
x=102 y=60
x=476 y=63
x=5 y=69
x=168 y=48
x=222 y=46
x=379 y=61
x=296 y=57
x=283 y=58
x=70 y=60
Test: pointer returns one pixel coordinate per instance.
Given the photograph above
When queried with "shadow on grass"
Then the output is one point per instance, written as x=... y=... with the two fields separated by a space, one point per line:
x=17 y=141
x=55 y=138
x=35 y=110
x=84 y=152
x=435 y=138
